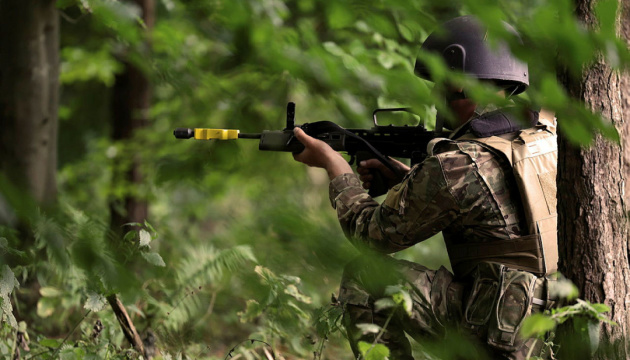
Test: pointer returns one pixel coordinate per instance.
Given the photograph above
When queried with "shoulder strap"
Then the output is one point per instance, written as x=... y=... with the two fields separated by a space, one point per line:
x=503 y=121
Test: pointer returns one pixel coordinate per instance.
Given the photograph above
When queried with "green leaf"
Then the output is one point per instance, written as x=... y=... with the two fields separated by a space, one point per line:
x=7 y=282
x=401 y=297
x=589 y=329
x=51 y=343
x=606 y=11
x=563 y=288
x=537 y=324
x=153 y=258
x=601 y=308
x=339 y=16
x=49 y=291
x=594 y=328
x=62 y=4
x=292 y=290
x=252 y=311
x=373 y=352
x=369 y=328
x=95 y=302
x=5 y=248
x=79 y=65
x=406 y=32
x=145 y=238
x=7 y=310
x=46 y=306
x=384 y=303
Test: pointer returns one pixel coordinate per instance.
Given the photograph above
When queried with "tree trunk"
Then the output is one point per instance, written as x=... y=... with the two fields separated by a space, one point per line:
x=592 y=213
x=130 y=111
x=29 y=73
x=131 y=104
x=625 y=101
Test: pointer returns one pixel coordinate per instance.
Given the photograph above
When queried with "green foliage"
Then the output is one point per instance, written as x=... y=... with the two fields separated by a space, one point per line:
x=584 y=317
x=232 y=219
x=79 y=65
x=8 y=282
x=281 y=311
x=373 y=351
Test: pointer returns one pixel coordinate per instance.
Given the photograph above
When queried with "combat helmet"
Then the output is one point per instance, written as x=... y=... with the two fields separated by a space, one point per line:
x=463 y=44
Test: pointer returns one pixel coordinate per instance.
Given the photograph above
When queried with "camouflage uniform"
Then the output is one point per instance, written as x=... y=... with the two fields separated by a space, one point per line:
x=468 y=193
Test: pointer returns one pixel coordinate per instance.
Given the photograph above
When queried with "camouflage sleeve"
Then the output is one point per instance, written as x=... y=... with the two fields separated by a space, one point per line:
x=414 y=210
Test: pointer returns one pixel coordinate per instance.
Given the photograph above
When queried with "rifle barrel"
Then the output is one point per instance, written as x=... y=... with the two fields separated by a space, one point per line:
x=249 y=136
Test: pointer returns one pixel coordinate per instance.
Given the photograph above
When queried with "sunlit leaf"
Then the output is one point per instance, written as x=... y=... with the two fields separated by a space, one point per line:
x=601 y=308
x=369 y=328
x=94 y=302
x=563 y=288
x=49 y=291
x=293 y=291
x=145 y=238
x=153 y=258
x=373 y=351
x=384 y=303
x=47 y=306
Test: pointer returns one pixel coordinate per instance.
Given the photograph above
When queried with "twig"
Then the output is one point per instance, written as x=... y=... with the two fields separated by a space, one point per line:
x=15 y=346
x=202 y=351
x=70 y=19
x=531 y=349
x=268 y=355
x=70 y=333
x=380 y=333
x=229 y=354
x=129 y=330
x=211 y=306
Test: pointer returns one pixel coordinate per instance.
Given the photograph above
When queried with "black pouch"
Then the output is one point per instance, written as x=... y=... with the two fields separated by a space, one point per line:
x=514 y=304
x=482 y=299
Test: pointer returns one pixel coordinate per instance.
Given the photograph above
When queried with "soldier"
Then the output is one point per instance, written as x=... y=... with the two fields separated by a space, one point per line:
x=490 y=189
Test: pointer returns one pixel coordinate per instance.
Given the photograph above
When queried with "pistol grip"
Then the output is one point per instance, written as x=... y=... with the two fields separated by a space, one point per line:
x=378 y=185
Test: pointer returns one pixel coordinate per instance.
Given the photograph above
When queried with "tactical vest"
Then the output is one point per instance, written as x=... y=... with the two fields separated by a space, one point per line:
x=532 y=154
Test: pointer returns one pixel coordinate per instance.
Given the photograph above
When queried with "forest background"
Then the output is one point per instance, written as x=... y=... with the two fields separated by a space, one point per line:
x=204 y=245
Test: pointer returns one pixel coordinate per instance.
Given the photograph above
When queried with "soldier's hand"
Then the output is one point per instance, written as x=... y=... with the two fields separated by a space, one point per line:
x=319 y=154
x=392 y=179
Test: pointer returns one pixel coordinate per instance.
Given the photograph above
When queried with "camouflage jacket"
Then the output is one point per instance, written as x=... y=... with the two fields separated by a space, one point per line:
x=461 y=189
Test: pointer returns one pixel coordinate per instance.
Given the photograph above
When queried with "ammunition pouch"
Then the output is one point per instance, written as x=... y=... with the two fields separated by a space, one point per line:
x=500 y=299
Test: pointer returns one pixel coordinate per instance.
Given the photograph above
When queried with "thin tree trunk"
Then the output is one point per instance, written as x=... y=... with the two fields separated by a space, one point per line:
x=592 y=223
x=29 y=72
x=625 y=100
x=130 y=108
x=131 y=104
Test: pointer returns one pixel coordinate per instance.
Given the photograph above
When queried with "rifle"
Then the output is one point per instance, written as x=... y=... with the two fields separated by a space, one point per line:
x=361 y=144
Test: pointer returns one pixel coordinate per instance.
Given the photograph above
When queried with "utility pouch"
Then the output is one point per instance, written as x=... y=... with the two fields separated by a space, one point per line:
x=514 y=304
x=482 y=298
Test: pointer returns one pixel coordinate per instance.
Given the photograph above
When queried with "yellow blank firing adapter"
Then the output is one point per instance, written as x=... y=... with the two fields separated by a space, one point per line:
x=206 y=134
x=218 y=134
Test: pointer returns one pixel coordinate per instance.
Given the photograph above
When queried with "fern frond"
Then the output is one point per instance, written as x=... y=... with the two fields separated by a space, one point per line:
x=199 y=275
x=206 y=265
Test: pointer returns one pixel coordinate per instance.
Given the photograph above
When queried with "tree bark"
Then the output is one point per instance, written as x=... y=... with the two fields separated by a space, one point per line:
x=130 y=109
x=130 y=105
x=625 y=100
x=592 y=212
x=131 y=334
x=29 y=73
